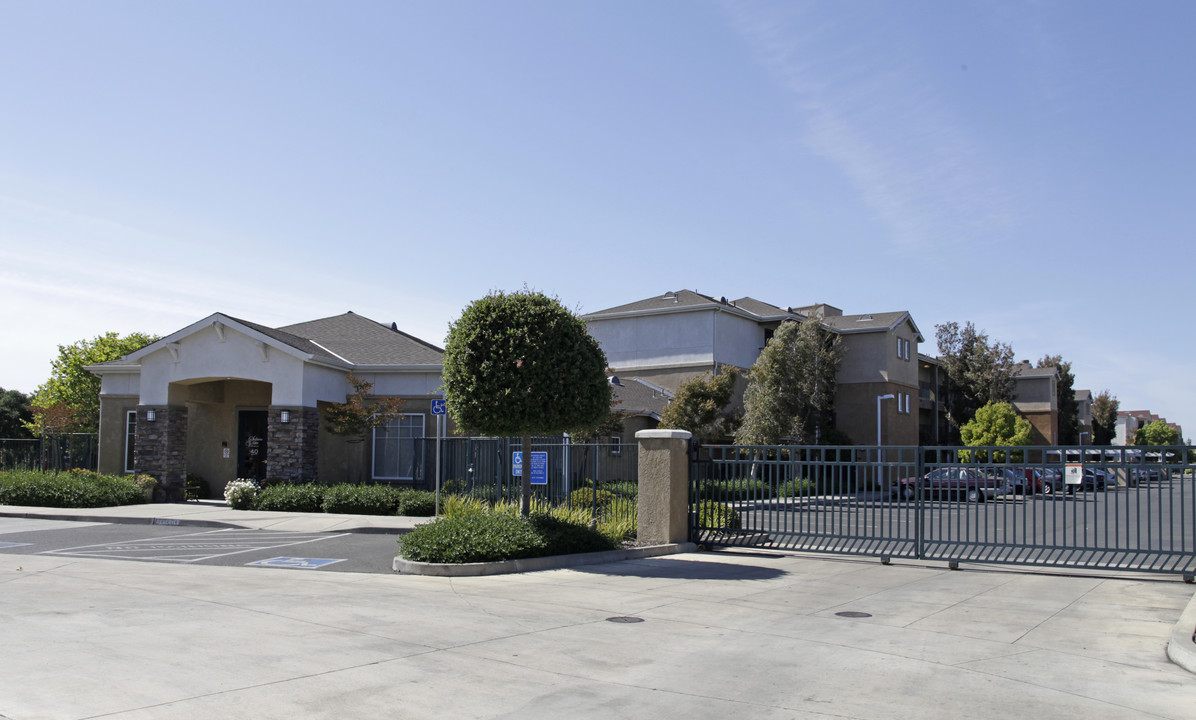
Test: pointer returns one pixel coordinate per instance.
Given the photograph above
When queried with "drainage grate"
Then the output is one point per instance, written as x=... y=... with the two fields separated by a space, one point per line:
x=853 y=614
x=624 y=619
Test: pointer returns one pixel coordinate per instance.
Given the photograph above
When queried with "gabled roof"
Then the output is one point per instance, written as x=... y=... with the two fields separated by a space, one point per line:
x=341 y=340
x=635 y=396
x=766 y=311
x=672 y=300
x=870 y=322
x=362 y=341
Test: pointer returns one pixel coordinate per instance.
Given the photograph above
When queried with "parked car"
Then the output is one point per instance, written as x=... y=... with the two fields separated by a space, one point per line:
x=1093 y=479
x=1023 y=480
x=960 y=483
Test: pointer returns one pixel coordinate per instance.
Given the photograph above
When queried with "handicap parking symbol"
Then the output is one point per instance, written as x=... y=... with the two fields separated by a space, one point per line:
x=297 y=563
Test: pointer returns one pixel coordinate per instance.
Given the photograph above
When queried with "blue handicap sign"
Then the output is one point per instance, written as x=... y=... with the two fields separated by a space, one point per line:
x=539 y=466
x=439 y=407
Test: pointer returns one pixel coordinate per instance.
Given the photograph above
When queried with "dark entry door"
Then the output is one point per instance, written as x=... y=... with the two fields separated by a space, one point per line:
x=251 y=444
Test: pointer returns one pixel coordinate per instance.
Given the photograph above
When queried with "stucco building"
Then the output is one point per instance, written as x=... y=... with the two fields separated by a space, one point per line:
x=670 y=338
x=225 y=398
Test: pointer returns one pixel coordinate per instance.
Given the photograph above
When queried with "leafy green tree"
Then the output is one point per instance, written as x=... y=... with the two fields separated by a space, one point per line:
x=357 y=416
x=1104 y=418
x=15 y=414
x=70 y=384
x=995 y=424
x=790 y=396
x=978 y=371
x=521 y=364
x=701 y=406
x=1065 y=399
x=1156 y=433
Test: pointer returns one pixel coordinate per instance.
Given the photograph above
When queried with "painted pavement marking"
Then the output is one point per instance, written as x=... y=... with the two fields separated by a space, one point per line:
x=194 y=547
x=299 y=563
x=12 y=544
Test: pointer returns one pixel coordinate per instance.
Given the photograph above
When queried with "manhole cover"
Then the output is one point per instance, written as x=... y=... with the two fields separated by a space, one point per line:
x=853 y=614
x=624 y=619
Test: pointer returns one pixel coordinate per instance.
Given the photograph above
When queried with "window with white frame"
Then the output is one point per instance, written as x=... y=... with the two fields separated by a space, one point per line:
x=130 y=439
x=616 y=445
x=903 y=348
x=396 y=454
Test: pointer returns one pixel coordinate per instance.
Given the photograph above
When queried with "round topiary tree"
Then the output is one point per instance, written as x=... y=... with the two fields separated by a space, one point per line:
x=521 y=364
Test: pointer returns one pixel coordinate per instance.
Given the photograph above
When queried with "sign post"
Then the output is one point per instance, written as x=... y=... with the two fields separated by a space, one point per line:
x=438 y=411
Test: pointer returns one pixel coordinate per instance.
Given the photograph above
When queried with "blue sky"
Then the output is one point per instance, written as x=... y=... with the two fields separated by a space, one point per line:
x=1025 y=166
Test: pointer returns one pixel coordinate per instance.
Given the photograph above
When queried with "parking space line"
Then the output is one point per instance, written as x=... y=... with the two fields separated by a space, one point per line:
x=235 y=541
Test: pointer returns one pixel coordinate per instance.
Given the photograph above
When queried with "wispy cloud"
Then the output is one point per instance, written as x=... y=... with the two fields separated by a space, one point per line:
x=871 y=110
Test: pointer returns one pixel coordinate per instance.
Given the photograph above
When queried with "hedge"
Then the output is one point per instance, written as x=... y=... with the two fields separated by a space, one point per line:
x=70 y=489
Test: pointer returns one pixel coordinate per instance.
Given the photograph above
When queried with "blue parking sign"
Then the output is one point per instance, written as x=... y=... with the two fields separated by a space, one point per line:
x=539 y=466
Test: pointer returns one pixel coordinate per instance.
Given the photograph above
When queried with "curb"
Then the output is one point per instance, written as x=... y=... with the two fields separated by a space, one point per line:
x=182 y=522
x=117 y=520
x=1182 y=647
x=552 y=562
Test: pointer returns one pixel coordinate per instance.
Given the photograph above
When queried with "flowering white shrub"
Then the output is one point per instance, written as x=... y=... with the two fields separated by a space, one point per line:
x=240 y=494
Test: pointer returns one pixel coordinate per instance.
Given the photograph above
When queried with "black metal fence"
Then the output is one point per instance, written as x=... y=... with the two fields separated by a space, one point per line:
x=64 y=452
x=594 y=474
x=1080 y=507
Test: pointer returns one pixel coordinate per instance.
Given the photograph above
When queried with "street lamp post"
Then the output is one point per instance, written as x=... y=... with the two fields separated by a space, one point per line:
x=879 y=398
x=879 y=467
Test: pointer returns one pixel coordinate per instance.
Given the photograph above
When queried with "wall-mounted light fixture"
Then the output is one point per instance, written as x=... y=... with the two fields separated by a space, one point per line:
x=284 y=416
x=150 y=416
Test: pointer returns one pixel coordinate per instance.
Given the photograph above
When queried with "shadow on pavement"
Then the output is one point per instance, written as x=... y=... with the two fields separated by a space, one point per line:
x=682 y=569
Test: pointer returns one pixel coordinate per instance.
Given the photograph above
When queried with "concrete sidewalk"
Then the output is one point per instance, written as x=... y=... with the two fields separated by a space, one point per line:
x=719 y=635
x=754 y=633
x=215 y=513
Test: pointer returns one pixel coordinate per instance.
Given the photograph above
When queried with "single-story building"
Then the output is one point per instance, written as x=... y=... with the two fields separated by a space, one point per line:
x=224 y=398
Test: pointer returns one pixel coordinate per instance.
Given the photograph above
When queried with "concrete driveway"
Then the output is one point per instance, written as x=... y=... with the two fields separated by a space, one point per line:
x=722 y=635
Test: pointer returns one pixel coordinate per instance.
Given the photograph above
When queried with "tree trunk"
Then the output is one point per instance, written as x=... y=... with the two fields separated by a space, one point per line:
x=525 y=495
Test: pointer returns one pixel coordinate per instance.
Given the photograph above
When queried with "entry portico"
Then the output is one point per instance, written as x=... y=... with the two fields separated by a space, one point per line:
x=224 y=398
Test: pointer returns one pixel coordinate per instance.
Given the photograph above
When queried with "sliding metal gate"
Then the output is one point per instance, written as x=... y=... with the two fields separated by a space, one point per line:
x=1103 y=508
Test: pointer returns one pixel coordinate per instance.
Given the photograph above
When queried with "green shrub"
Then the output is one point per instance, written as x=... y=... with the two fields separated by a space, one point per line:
x=565 y=538
x=717 y=516
x=73 y=489
x=625 y=488
x=479 y=537
x=308 y=498
x=197 y=487
x=494 y=536
x=417 y=503
x=361 y=499
x=462 y=505
x=241 y=494
x=589 y=497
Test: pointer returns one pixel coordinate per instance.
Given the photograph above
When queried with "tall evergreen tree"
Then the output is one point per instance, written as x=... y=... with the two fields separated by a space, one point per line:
x=790 y=397
x=1065 y=399
x=701 y=406
x=978 y=371
x=1104 y=418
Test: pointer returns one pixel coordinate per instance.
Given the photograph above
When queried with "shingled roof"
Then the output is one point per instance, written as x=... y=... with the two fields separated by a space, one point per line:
x=362 y=341
x=635 y=396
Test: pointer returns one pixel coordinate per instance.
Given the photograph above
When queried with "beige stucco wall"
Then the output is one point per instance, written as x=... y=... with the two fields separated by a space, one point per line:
x=113 y=409
x=212 y=408
x=204 y=356
x=855 y=414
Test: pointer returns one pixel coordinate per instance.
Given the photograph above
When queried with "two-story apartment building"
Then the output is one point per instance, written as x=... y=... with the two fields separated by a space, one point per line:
x=678 y=335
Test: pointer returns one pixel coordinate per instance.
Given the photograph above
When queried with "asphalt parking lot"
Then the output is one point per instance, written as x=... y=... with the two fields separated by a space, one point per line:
x=331 y=552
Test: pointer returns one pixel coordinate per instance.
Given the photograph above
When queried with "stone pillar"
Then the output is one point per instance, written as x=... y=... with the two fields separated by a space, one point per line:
x=161 y=450
x=293 y=446
x=663 y=486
